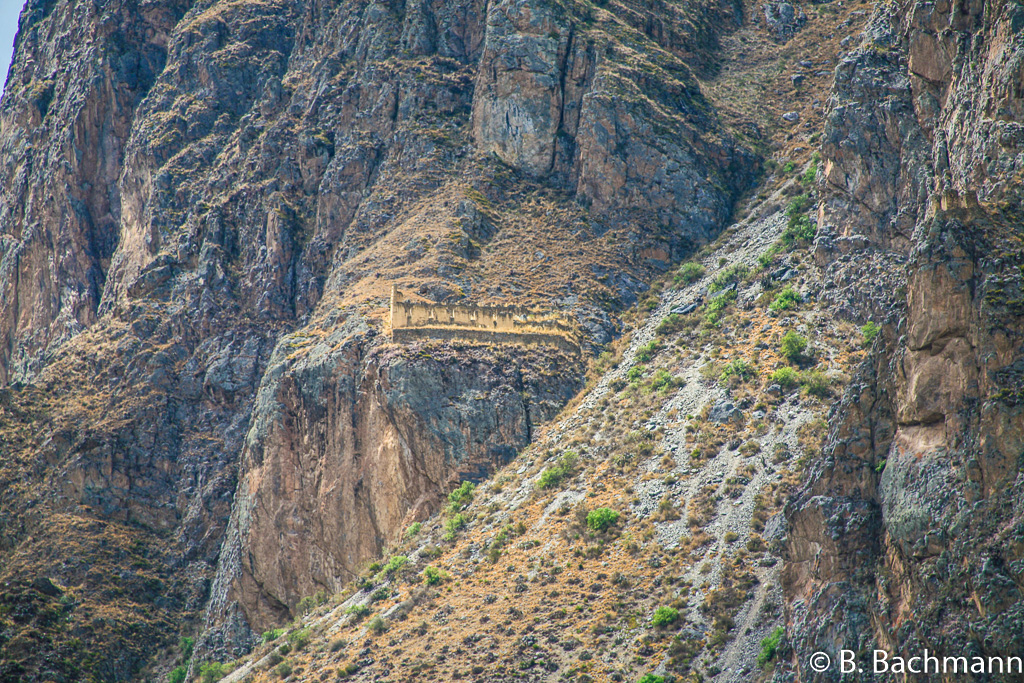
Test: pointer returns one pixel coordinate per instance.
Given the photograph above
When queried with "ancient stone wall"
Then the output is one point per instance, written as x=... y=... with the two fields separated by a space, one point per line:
x=498 y=324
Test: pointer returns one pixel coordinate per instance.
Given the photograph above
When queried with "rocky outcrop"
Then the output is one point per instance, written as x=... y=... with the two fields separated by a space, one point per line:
x=783 y=19
x=626 y=135
x=909 y=527
x=349 y=446
x=66 y=116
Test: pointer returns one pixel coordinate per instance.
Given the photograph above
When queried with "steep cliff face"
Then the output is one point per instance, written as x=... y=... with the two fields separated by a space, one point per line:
x=203 y=208
x=79 y=75
x=911 y=525
x=350 y=444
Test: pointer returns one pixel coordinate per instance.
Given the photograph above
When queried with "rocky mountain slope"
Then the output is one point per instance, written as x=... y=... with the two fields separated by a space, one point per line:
x=807 y=437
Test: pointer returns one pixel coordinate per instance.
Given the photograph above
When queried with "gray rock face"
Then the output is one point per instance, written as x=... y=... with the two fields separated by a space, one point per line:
x=350 y=445
x=917 y=484
x=724 y=411
x=66 y=117
x=783 y=19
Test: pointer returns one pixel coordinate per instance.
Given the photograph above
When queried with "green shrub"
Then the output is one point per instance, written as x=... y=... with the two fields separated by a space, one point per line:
x=811 y=174
x=689 y=273
x=727 y=276
x=798 y=205
x=799 y=230
x=272 y=634
x=433 y=576
x=668 y=324
x=554 y=475
x=815 y=383
x=714 y=308
x=377 y=626
x=788 y=168
x=394 y=564
x=284 y=669
x=413 y=529
x=869 y=331
x=299 y=639
x=793 y=346
x=769 y=646
x=306 y=604
x=358 y=611
x=453 y=525
x=738 y=368
x=187 y=645
x=786 y=377
x=663 y=616
x=646 y=352
x=178 y=674
x=785 y=300
x=662 y=379
x=651 y=678
x=460 y=497
x=210 y=672
x=636 y=372
x=765 y=259
x=337 y=645
x=601 y=519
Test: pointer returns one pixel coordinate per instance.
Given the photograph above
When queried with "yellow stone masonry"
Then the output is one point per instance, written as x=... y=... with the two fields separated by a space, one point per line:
x=412 y=320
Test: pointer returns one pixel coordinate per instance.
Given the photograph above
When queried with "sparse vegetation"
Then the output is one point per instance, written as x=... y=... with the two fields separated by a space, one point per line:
x=460 y=497
x=357 y=611
x=377 y=626
x=298 y=639
x=786 y=377
x=651 y=678
x=714 y=308
x=433 y=576
x=646 y=352
x=811 y=174
x=663 y=379
x=554 y=475
x=815 y=383
x=799 y=228
x=769 y=646
x=785 y=300
x=453 y=525
x=738 y=368
x=272 y=634
x=689 y=273
x=310 y=602
x=727 y=276
x=663 y=616
x=394 y=565
x=793 y=346
x=602 y=519
x=869 y=331
x=210 y=672
x=766 y=258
